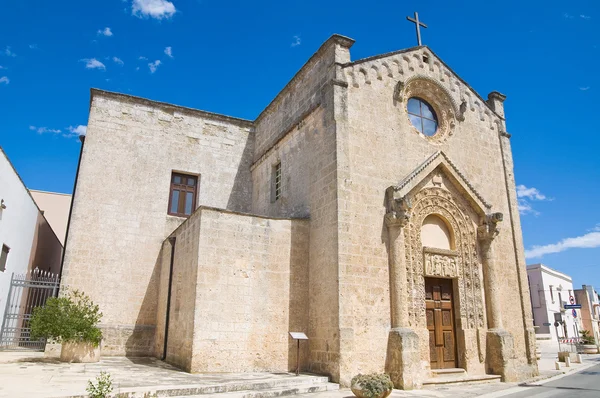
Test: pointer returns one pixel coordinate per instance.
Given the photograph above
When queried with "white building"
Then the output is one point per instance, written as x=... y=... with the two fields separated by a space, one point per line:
x=26 y=239
x=550 y=292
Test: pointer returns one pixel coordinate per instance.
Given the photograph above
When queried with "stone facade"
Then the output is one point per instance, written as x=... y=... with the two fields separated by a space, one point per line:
x=353 y=274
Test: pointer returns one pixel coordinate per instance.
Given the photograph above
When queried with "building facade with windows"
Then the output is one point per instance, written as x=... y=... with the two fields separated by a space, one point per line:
x=371 y=205
x=550 y=291
x=27 y=241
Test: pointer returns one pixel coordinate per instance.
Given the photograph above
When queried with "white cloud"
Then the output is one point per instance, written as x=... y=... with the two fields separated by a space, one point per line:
x=4 y=80
x=2 y=67
x=143 y=58
x=154 y=65
x=586 y=88
x=297 y=41
x=42 y=130
x=530 y=193
x=105 y=32
x=33 y=46
x=138 y=68
x=525 y=208
x=78 y=130
x=158 y=9
x=567 y=15
x=525 y=196
x=587 y=241
x=9 y=53
x=93 y=63
x=118 y=60
x=169 y=52
x=585 y=16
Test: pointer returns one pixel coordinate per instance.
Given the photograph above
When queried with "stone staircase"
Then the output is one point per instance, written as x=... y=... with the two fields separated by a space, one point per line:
x=457 y=376
x=281 y=386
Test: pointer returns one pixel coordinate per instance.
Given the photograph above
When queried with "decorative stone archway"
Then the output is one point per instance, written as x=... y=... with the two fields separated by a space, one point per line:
x=438 y=188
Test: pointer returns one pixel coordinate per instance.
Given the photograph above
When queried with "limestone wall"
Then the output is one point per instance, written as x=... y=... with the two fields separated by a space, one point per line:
x=119 y=218
x=299 y=130
x=382 y=148
x=239 y=287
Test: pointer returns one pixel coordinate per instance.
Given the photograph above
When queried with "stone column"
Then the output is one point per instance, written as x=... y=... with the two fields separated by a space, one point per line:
x=499 y=342
x=403 y=356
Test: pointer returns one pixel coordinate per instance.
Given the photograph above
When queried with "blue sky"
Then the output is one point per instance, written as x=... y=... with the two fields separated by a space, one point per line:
x=233 y=58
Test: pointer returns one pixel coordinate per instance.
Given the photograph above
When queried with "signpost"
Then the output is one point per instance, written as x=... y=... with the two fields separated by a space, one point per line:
x=547 y=324
x=572 y=299
x=574 y=312
x=298 y=336
x=572 y=306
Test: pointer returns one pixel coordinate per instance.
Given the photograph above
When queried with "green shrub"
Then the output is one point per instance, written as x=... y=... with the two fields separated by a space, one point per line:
x=587 y=337
x=101 y=388
x=374 y=384
x=73 y=317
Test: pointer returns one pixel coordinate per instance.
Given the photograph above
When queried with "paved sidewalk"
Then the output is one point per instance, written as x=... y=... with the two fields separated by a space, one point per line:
x=32 y=376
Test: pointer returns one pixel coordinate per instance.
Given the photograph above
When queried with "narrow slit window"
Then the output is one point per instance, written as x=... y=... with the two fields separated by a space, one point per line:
x=182 y=195
x=276 y=186
x=4 y=257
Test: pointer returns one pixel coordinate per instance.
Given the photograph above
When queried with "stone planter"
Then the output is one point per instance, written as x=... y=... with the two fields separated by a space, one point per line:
x=52 y=350
x=79 y=352
x=359 y=392
x=587 y=349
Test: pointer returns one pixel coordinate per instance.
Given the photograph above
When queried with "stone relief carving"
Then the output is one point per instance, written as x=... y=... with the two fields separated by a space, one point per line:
x=398 y=212
x=440 y=265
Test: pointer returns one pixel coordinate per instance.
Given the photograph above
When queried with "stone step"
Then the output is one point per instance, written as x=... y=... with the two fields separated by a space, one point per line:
x=461 y=379
x=270 y=393
x=448 y=372
x=288 y=385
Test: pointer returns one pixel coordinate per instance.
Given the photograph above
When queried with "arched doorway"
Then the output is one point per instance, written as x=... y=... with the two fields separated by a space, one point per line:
x=437 y=236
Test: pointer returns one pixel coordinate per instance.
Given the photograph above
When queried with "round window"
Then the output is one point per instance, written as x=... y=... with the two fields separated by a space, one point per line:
x=422 y=116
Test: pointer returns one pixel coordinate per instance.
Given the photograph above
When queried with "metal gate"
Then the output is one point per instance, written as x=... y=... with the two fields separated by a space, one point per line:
x=26 y=292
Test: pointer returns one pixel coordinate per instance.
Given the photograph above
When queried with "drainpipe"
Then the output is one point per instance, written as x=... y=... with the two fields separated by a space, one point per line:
x=172 y=241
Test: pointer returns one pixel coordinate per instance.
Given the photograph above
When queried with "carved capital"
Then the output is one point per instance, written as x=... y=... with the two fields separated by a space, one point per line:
x=487 y=231
x=398 y=213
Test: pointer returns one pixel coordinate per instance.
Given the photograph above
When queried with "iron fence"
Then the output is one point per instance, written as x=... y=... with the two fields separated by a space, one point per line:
x=26 y=292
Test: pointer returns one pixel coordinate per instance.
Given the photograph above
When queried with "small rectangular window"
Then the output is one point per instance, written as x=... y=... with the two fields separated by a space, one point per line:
x=276 y=186
x=4 y=257
x=551 y=294
x=182 y=195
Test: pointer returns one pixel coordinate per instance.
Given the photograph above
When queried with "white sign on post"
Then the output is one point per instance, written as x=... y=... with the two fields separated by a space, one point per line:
x=298 y=336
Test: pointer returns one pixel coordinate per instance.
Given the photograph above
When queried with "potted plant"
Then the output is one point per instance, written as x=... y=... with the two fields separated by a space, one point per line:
x=374 y=385
x=588 y=344
x=73 y=320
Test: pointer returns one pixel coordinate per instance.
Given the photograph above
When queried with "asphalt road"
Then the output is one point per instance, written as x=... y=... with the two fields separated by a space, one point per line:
x=584 y=384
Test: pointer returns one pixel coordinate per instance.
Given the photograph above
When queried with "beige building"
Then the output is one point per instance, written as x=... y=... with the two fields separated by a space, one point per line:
x=55 y=207
x=371 y=205
x=589 y=299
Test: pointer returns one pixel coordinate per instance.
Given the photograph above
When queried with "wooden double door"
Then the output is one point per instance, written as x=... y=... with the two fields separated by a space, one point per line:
x=439 y=305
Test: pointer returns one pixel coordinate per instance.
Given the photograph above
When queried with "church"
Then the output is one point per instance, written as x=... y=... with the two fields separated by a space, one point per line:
x=371 y=206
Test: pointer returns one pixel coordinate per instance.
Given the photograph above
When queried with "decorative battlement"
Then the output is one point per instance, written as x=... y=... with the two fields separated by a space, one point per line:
x=400 y=65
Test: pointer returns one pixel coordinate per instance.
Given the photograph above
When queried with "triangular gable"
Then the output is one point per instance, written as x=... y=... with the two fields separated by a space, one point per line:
x=439 y=159
x=392 y=64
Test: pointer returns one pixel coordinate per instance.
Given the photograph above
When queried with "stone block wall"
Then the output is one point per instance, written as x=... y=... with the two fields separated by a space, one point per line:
x=119 y=219
x=239 y=286
x=298 y=129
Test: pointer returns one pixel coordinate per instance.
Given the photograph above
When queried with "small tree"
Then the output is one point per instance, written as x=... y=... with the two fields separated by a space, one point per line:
x=73 y=318
x=102 y=387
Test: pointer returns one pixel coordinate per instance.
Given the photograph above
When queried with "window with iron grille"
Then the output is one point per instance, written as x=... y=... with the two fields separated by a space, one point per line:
x=182 y=196
x=276 y=187
x=4 y=257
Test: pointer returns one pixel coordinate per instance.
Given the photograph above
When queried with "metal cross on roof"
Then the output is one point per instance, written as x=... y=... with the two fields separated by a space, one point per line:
x=418 y=25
